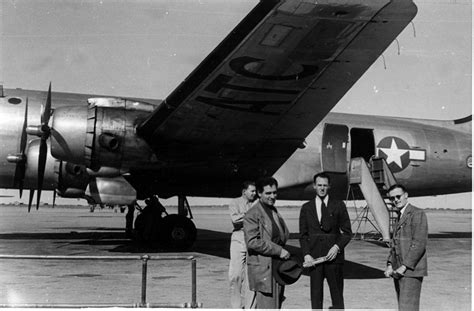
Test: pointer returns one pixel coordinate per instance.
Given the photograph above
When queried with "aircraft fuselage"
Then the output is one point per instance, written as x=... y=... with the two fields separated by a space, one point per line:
x=429 y=157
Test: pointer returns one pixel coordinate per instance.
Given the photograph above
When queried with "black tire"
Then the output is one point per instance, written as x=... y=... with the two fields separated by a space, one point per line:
x=178 y=232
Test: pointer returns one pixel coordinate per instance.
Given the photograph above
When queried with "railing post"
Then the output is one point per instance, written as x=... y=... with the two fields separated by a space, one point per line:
x=193 y=282
x=143 y=303
x=144 y=274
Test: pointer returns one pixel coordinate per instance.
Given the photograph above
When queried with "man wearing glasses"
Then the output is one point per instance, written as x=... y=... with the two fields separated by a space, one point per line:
x=407 y=263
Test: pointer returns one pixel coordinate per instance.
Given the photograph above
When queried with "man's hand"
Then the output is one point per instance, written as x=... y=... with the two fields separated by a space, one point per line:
x=332 y=252
x=401 y=270
x=308 y=261
x=284 y=254
x=388 y=271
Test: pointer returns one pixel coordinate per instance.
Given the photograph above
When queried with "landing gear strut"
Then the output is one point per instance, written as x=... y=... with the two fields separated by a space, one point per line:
x=129 y=221
x=172 y=231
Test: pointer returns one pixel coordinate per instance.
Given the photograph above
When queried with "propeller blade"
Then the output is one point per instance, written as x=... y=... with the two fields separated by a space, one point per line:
x=41 y=167
x=54 y=198
x=32 y=193
x=20 y=188
x=24 y=135
x=45 y=115
x=47 y=109
x=21 y=165
x=23 y=129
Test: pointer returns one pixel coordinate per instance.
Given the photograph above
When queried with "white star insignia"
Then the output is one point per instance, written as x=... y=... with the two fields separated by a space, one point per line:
x=394 y=155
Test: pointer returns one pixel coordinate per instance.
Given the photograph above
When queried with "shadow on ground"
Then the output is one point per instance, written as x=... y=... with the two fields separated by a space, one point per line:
x=450 y=235
x=209 y=242
x=72 y=235
x=217 y=243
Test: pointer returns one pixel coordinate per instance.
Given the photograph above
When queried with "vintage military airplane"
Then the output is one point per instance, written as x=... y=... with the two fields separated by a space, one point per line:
x=259 y=104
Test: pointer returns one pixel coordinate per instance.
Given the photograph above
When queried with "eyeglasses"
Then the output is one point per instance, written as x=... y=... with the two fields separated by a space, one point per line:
x=395 y=197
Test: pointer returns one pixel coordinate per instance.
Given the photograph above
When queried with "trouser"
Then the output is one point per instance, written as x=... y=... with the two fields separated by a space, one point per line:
x=271 y=300
x=408 y=292
x=240 y=295
x=334 y=273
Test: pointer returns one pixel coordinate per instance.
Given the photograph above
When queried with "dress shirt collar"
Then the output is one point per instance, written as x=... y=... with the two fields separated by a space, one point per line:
x=403 y=209
x=318 y=200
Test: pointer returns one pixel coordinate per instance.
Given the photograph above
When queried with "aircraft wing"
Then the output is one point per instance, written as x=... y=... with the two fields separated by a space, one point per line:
x=257 y=96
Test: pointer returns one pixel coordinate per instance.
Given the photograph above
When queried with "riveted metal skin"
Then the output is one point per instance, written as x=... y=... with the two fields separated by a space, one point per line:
x=101 y=134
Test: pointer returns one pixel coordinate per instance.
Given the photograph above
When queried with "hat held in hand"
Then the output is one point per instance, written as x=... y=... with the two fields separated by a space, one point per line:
x=286 y=272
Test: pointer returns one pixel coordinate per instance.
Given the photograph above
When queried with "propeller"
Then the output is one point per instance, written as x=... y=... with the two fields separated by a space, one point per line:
x=21 y=157
x=43 y=131
x=32 y=193
x=54 y=198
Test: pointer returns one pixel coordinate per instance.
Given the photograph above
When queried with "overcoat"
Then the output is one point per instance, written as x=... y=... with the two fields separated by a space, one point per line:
x=409 y=243
x=258 y=237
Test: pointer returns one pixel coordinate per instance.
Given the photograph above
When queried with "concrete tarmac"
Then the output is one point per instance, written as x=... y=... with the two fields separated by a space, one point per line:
x=76 y=231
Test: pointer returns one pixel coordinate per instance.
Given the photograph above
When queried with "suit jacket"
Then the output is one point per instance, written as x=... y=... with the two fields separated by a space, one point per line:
x=316 y=242
x=409 y=243
x=258 y=236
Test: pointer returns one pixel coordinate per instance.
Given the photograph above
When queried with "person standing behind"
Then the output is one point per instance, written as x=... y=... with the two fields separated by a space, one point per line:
x=265 y=234
x=240 y=296
x=321 y=223
x=407 y=261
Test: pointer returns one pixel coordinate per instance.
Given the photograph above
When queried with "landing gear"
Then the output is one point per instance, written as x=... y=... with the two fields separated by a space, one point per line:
x=129 y=220
x=176 y=232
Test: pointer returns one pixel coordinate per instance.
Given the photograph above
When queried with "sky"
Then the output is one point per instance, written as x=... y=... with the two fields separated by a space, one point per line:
x=146 y=48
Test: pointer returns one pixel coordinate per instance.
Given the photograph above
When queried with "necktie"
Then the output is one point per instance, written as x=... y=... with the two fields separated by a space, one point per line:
x=324 y=217
x=399 y=215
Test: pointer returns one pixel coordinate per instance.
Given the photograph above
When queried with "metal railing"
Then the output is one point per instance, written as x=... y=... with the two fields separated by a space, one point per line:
x=142 y=304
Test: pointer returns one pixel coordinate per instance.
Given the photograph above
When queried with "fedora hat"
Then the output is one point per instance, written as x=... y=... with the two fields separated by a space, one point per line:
x=286 y=272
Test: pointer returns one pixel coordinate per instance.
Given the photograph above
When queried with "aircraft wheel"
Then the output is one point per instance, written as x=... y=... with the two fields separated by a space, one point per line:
x=178 y=232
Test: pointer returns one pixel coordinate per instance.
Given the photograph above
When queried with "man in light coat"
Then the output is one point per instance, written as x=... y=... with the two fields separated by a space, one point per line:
x=407 y=261
x=265 y=234
x=240 y=296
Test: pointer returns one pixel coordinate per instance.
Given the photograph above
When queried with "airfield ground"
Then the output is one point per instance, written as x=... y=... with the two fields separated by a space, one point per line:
x=76 y=231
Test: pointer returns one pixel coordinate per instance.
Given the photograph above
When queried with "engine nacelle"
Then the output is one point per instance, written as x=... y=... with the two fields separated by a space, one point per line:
x=104 y=186
x=112 y=191
x=102 y=134
x=50 y=180
x=73 y=180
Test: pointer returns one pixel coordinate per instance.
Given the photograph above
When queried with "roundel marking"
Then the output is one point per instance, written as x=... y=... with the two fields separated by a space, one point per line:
x=396 y=152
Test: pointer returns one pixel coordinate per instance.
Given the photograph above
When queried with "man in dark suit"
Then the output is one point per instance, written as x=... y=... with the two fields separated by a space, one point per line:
x=321 y=223
x=407 y=261
x=265 y=235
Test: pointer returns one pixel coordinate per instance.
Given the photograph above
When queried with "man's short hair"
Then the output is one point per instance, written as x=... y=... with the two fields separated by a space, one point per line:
x=265 y=181
x=397 y=186
x=321 y=175
x=246 y=184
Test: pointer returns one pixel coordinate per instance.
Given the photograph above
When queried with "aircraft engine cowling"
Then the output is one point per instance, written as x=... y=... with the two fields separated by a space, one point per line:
x=50 y=180
x=104 y=186
x=112 y=191
x=101 y=134
x=73 y=180
x=70 y=180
